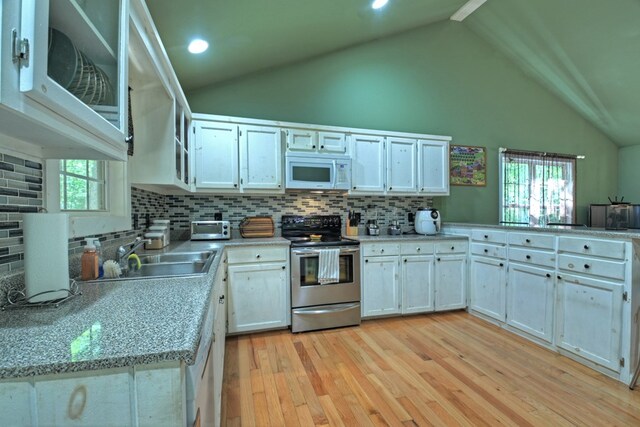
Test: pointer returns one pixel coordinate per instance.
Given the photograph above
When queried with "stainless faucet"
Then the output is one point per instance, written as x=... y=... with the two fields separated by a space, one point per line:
x=122 y=254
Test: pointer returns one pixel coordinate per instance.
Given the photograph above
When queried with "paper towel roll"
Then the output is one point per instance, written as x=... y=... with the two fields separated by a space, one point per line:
x=46 y=255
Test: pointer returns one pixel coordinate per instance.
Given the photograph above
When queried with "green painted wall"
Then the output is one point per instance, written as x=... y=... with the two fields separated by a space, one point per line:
x=629 y=174
x=440 y=79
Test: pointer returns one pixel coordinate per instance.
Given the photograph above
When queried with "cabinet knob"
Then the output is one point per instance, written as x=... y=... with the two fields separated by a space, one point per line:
x=313 y=146
x=586 y=247
x=587 y=266
x=322 y=147
x=453 y=248
x=405 y=260
x=284 y=267
x=235 y=185
x=486 y=236
x=381 y=251
x=366 y=260
x=279 y=185
x=548 y=275
x=486 y=251
x=501 y=265
x=422 y=189
x=258 y=256
x=418 y=249
x=438 y=259
x=559 y=277
x=528 y=257
x=390 y=188
x=528 y=241
x=354 y=187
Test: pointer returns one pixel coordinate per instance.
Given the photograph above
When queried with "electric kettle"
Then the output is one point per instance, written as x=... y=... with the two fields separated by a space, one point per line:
x=427 y=221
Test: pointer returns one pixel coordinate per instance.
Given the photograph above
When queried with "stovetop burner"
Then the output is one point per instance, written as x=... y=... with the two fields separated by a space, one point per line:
x=299 y=230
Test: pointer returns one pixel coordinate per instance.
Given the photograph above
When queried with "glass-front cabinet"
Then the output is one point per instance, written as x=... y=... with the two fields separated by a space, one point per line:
x=182 y=125
x=71 y=57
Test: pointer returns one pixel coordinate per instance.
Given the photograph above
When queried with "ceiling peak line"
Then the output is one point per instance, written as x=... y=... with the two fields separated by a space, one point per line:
x=467 y=9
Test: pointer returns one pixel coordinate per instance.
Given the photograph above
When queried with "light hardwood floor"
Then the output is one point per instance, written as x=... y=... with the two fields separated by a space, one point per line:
x=436 y=369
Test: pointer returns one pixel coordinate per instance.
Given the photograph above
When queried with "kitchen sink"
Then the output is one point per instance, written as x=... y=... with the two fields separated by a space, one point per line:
x=169 y=265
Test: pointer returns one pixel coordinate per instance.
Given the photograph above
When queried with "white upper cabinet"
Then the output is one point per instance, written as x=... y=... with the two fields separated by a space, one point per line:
x=368 y=164
x=433 y=167
x=401 y=165
x=216 y=155
x=332 y=142
x=261 y=158
x=314 y=141
x=161 y=117
x=67 y=76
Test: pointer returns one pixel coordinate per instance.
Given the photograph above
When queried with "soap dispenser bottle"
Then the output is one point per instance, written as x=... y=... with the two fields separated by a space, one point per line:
x=89 y=261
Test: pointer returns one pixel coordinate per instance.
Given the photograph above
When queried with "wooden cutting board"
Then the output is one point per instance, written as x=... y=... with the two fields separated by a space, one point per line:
x=257 y=226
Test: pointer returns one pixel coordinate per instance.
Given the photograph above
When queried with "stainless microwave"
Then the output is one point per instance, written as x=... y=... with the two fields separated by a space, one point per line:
x=317 y=172
x=210 y=230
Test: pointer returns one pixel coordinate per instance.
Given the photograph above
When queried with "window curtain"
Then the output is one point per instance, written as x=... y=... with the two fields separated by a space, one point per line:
x=537 y=188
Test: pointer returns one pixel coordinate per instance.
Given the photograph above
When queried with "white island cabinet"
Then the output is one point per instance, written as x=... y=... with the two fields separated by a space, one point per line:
x=70 y=112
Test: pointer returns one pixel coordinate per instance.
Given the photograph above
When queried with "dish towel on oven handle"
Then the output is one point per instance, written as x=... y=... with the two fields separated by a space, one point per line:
x=329 y=266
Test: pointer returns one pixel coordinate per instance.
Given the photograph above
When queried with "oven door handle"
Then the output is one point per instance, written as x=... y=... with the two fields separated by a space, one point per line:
x=336 y=309
x=317 y=251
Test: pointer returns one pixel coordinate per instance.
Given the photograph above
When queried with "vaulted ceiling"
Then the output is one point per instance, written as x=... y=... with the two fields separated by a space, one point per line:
x=587 y=52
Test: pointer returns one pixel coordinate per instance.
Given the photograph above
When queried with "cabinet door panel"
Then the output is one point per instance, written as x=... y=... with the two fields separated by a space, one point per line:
x=433 y=167
x=332 y=142
x=261 y=155
x=417 y=284
x=401 y=165
x=487 y=286
x=450 y=282
x=590 y=319
x=301 y=140
x=257 y=295
x=367 y=163
x=216 y=155
x=530 y=305
x=380 y=287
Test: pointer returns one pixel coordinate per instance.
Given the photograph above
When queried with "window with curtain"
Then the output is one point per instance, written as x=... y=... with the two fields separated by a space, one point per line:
x=537 y=188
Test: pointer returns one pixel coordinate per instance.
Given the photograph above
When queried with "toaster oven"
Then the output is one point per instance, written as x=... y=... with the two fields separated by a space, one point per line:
x=210 y=230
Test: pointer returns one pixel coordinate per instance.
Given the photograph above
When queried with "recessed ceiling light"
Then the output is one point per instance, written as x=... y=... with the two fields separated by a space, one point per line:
x=378 y=4
x=198 y=46
x=467 y=9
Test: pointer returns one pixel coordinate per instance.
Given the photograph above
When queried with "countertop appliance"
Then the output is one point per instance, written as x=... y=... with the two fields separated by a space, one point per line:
x=316 y=306
x=394 y=228
x=427 y=221
x=372 y=228
x=210 y=230
x=325 y=173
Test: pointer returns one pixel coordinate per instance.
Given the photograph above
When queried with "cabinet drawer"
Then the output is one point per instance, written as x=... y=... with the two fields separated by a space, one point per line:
x=416 y=248
x=531 y=256
x=586 y=246
x=257 y=254
x=452 y=247
x=533 y=240
x=592 y=266
x=374 y=249
x=489 y=236
x=494 y=251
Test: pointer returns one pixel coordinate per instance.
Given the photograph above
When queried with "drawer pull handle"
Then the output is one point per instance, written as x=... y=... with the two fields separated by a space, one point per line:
x=453 y=248
x=418 y=249
x=258 y=256
x=366 y=260
x=381 y=251
x=486 y=251
x=284 y=267
x=559 y=277
x=586 y=247
x=587 y=266
x=322 y=147
x=548 y=275
x=528 y=241
x=501 y=265
x=438 y=259
x=486 y=236
x=528 y=257
x=313 y=146
x=405 y=260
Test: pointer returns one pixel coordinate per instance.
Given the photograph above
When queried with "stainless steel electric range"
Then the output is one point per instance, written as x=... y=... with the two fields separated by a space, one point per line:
x=314 y=305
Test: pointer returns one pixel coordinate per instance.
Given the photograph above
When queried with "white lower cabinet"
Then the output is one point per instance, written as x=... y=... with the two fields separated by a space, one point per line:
x=381 y=294
x=487 y=287
x=590 y=319
x=417 y=284
x=450 y=284
x=530 y=300
x=258 y=289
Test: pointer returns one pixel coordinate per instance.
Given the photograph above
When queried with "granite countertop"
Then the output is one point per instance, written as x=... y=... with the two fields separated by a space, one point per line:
x=584 y=231
x=406 y=238
x=114 y=323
